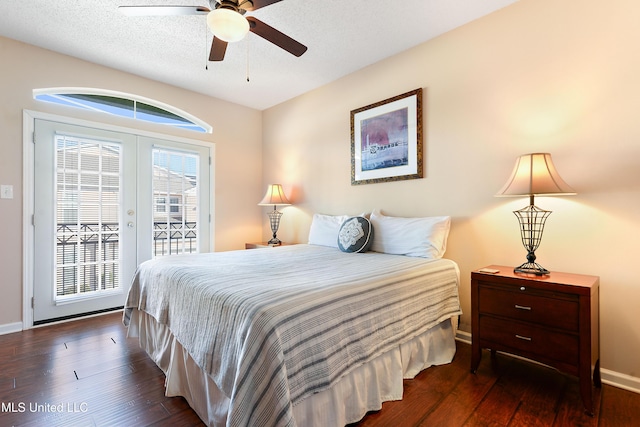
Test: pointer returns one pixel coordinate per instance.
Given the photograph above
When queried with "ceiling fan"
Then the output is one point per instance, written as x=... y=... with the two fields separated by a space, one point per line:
x=226 y=20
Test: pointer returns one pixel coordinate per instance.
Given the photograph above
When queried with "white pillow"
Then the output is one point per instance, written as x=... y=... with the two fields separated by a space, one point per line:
x=324 y=229
x=418 y=237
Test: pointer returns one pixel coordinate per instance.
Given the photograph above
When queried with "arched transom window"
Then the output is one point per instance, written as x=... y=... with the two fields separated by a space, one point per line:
x=122 y=105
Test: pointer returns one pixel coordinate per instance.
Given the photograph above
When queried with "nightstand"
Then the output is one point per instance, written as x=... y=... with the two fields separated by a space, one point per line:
x=259 y=245
x=552 y=319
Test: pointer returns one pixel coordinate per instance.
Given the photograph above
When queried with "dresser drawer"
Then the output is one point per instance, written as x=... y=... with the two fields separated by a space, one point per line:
x=534 y=340
x=529 y=306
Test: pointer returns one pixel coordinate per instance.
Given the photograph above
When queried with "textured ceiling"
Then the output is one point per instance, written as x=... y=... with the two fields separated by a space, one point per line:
x=342 y=36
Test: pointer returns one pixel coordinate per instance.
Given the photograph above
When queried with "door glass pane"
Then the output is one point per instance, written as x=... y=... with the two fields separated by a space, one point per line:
x=87 y=216
x=175 y=202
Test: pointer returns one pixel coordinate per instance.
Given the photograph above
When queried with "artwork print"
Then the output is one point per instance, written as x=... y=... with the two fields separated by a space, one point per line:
x=386 y=140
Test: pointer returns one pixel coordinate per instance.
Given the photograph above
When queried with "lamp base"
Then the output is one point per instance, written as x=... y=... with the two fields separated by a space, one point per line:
x=531 y=219
x=531 y=268
x=274 y=220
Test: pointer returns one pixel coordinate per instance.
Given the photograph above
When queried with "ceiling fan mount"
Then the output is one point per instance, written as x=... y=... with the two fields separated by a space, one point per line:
x=227 y=22
x=231 y=5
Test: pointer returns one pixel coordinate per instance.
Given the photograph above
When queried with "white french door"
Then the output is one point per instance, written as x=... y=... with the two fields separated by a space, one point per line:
x=105 y=201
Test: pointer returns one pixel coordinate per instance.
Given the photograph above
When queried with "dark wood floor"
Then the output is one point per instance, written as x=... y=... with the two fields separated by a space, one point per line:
x=87 y=373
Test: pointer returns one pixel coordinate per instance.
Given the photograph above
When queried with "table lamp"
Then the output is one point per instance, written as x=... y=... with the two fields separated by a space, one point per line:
x=274 y=196
x=534 y=174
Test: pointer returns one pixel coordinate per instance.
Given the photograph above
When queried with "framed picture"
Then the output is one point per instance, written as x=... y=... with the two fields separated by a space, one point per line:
x=386 y=140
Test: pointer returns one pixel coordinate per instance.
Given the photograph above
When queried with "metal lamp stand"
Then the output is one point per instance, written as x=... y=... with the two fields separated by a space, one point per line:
x=531 y=219
x=274 y=220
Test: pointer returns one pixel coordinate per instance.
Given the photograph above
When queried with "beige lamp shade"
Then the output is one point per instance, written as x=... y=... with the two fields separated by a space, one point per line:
x=274 y=196
x=535 y=174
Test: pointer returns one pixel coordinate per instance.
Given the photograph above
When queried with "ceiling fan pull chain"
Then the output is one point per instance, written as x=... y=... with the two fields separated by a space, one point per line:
x=206 y=47
x=247 y=59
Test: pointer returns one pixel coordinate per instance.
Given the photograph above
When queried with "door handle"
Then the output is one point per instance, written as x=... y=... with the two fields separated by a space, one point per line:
x=130 y=224
x=522 y=307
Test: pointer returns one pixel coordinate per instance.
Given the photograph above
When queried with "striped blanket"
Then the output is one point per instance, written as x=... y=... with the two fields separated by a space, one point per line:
x=273 y=326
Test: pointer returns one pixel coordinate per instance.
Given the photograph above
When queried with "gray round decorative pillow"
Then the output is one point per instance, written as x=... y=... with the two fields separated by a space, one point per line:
x=355 y=235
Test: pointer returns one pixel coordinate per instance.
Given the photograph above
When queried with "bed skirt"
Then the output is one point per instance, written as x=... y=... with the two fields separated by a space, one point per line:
x=362 y=390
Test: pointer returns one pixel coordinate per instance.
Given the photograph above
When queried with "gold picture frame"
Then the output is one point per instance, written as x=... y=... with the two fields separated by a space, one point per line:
x=386 y=140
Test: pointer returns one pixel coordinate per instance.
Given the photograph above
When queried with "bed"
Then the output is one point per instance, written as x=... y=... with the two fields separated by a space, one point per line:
x=302 y=335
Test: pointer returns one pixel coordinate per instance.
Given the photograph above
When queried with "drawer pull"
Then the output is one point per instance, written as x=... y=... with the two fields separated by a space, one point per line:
x=520 y=337
x=522 y=307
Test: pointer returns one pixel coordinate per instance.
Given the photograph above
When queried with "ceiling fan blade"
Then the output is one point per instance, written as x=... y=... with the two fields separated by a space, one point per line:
x=276 y=37
x=218 y=49
x=163 y=10
x=257 y=4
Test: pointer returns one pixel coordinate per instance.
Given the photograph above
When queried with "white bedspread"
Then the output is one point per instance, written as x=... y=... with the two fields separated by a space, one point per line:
x=272 y=326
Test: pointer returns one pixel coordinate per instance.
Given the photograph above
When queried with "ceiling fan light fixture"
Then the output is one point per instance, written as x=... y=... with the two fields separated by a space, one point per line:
x=227 y=25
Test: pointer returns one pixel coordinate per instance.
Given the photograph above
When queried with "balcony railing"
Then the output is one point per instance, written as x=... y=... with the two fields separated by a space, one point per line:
x=172 y=238
x=168 y=239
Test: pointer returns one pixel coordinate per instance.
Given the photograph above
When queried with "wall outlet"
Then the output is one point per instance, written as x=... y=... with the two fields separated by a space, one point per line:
x=6 y=191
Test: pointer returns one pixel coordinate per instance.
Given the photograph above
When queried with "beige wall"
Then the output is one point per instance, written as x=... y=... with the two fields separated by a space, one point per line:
x=236 y=135
x=539 y=75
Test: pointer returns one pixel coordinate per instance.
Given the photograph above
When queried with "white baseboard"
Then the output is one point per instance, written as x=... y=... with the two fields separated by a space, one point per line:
x=623 y=381
x=463 y=336
x=612 y=378
x=10 y=328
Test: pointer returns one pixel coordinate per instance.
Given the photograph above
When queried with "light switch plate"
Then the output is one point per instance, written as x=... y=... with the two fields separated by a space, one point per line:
x=6 y=191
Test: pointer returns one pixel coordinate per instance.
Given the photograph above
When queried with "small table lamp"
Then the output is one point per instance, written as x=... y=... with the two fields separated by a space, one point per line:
x=533 y=174
x=274 y=196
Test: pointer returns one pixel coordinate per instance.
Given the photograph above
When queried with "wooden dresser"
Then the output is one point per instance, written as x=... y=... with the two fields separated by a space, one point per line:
x=552 y=319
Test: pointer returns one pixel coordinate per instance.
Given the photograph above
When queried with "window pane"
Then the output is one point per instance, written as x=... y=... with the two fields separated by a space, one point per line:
x=87 y=215
x=175 y=192
x=149 y=113
x=108 y=104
